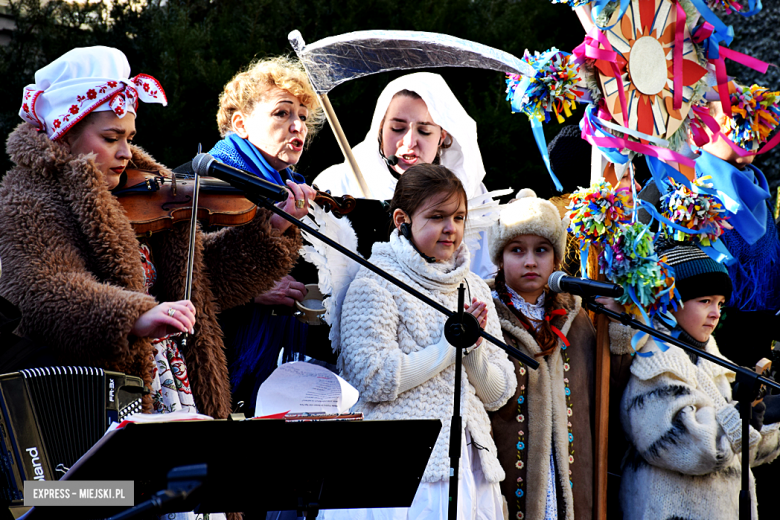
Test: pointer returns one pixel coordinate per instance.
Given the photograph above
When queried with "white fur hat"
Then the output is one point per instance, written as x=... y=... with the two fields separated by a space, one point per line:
x=527 y=215
x=81 y=81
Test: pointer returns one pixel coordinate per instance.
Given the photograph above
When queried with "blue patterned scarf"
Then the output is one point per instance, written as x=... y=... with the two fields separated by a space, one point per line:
x=240 y=153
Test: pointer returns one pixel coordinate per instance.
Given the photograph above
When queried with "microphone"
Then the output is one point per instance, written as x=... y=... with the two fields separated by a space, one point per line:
x=559 y=282
x=249 y=183
x=390 y=161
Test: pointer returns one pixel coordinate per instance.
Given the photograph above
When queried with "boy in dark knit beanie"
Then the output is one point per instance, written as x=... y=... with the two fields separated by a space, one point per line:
x=704 y=283
x=679 y=416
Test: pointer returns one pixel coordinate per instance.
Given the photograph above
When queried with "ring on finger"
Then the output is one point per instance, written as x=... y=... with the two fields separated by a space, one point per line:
x=300 y=203
x=171 y=311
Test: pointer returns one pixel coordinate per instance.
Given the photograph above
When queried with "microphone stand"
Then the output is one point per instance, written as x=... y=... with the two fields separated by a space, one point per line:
x=746 y=389
x=183 y=484
x=461 y=330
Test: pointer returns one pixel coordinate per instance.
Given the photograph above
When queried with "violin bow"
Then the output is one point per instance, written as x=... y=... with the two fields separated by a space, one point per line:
x=191 y=249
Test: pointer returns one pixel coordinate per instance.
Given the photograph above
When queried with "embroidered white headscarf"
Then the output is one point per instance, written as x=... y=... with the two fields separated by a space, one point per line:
x=462 y=158
x=81 y=81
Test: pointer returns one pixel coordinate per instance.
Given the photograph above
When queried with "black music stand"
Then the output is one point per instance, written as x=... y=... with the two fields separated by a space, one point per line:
x=304 y=466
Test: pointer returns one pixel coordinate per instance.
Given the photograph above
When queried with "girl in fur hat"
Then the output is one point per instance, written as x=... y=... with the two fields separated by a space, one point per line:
x=85 y=285
x=544 y=434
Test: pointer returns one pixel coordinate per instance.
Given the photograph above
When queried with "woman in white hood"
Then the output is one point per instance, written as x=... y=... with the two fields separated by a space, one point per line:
x=417 y=119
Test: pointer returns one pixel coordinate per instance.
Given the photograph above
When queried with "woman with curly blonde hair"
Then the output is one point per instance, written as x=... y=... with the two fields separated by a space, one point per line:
x=267 y=114
x=261 y=81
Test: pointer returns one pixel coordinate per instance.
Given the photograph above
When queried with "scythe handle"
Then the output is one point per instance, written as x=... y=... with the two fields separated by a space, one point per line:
x=344 y=144
x=603 y=368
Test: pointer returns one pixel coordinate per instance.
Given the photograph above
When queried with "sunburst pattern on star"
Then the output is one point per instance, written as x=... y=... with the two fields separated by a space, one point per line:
x=644 y=40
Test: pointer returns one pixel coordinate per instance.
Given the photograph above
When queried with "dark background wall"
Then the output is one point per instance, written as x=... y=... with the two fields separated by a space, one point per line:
x=194 y=47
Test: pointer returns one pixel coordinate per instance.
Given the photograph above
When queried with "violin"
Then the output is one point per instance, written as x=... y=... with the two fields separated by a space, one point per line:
x=763 y=368
x=154 y=202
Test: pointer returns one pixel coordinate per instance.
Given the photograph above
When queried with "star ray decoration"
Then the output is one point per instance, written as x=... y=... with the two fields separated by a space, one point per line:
x=646 y=71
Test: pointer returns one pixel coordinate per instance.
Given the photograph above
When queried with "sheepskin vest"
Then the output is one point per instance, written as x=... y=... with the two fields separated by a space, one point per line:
x=71 y=263
x=380 y=323
x=686 y=439
x=542 y=414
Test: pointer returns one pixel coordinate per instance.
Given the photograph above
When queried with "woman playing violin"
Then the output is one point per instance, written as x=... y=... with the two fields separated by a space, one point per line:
x=72 y=264
x=267 y=115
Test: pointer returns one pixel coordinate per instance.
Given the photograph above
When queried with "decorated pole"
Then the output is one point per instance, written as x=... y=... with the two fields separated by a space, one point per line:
x=600 y=455
x=602 y=414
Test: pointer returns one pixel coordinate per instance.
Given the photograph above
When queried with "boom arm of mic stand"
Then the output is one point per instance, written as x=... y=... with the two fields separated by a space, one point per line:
x=183 y=483
x=626 y=319
x=264 y=202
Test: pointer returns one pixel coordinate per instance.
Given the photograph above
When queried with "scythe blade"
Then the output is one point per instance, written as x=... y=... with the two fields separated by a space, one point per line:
x=336 y=59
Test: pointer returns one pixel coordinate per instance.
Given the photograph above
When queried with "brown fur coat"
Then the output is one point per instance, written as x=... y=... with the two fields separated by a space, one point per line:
x=71 y=263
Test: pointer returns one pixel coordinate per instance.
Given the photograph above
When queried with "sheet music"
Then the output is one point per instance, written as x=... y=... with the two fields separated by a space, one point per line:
x=159 y=417
x=300 y=387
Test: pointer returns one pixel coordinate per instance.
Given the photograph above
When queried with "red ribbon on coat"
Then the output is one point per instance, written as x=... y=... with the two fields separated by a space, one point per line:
x=556 y=330
x=548 y=317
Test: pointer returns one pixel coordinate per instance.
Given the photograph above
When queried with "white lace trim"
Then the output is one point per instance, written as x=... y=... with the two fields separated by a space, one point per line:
x=535 y=311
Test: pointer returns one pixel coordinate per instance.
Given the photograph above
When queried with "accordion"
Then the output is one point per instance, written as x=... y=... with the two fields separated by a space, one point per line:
x=51 y=416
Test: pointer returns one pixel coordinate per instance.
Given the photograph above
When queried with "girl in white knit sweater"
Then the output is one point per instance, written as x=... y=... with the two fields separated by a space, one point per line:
x=393 y=348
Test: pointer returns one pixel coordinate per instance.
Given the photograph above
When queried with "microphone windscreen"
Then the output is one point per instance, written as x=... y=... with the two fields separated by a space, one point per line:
x=554 y=282
x=392 y=160
x=201 y=163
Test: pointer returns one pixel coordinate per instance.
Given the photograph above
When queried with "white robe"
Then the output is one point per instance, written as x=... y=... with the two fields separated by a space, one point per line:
x=462 y=158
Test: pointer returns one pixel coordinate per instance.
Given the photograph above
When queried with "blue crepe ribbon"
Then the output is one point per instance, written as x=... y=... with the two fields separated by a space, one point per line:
x=670 y=322
x=754 y=7
x=541 y=142
x=584 y=251
x=516 y=97
x=747 y=189
x=612 y=154
x=722 y=33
